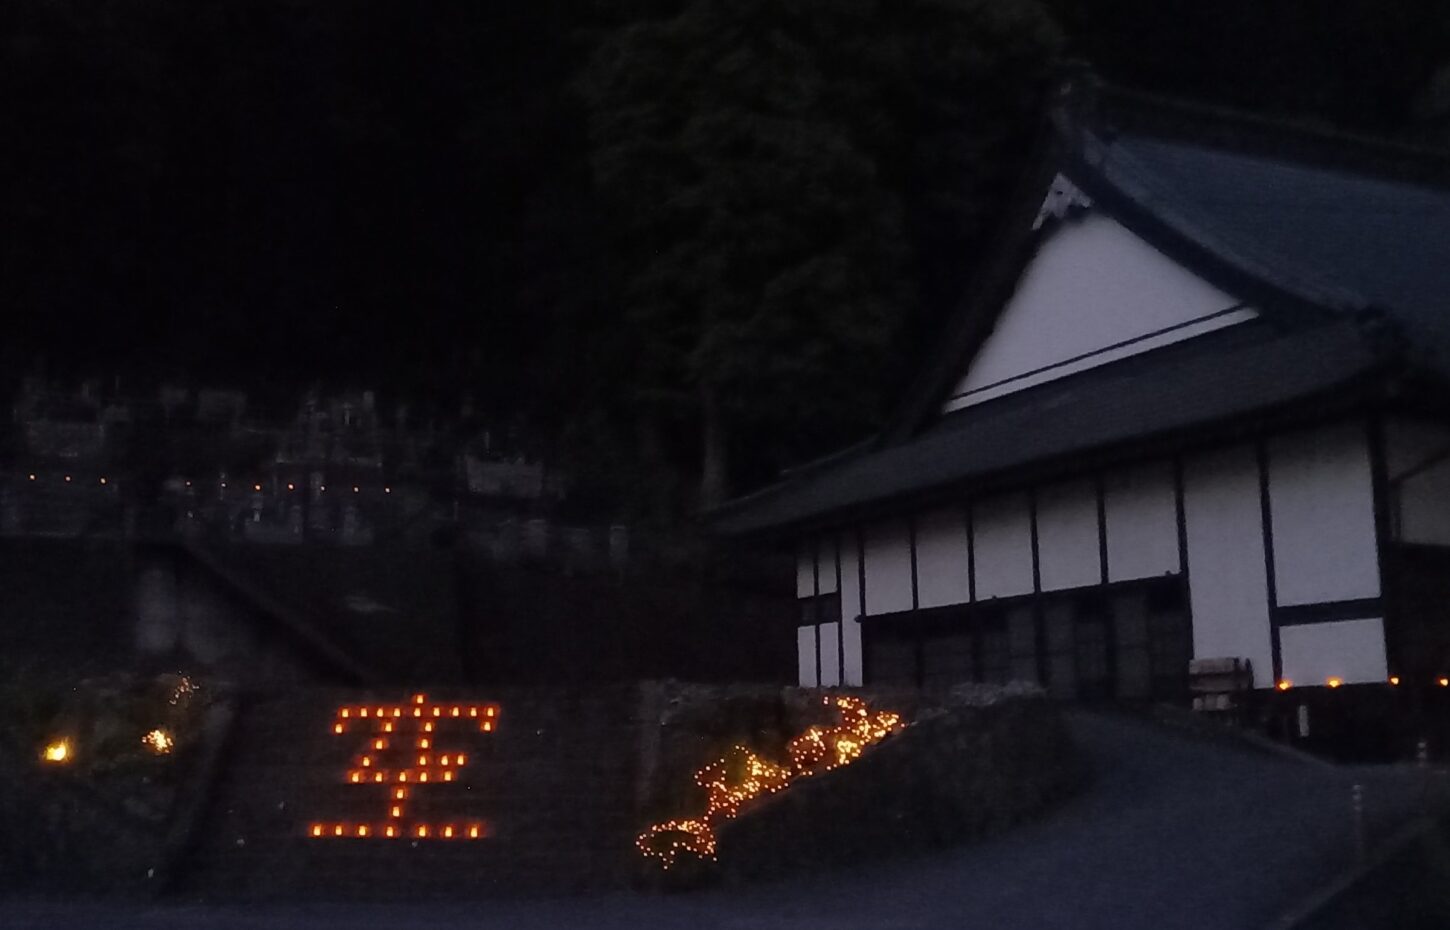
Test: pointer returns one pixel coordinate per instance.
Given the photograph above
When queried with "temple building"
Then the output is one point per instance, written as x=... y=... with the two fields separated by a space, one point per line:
x=1193 y=406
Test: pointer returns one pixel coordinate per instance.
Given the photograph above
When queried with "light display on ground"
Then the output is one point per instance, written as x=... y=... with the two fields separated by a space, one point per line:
x=57 y=752
x=741 y=776
x=159 y=742
x=398 y=743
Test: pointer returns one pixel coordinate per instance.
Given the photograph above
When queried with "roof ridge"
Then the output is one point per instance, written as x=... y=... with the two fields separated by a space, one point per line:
x=1107 y=109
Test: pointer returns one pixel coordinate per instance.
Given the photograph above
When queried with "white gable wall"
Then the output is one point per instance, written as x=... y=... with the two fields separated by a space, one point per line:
x=1094 y=293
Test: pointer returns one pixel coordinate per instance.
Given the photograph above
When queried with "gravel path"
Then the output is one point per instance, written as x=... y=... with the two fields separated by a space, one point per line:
x=1177 y=832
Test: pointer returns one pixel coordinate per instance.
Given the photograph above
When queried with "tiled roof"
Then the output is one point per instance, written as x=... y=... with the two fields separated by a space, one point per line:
x=1238 y=371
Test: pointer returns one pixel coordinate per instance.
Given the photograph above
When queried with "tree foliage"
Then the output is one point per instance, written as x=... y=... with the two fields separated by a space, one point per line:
x=763 y=165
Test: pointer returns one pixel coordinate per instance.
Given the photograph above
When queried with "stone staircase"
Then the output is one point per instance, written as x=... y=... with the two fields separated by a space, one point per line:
x=549 y=787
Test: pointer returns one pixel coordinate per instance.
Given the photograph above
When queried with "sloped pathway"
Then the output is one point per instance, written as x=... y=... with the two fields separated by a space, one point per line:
x=1177 y=832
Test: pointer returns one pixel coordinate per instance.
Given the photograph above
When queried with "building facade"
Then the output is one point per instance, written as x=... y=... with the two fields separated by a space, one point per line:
x=1194 y=407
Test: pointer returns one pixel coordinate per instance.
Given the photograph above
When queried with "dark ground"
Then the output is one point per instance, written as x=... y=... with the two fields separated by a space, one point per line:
x=1178 y=832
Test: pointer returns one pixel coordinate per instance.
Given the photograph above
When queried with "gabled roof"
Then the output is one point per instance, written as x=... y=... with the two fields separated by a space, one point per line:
x=1342 y=244
x=1201 y=382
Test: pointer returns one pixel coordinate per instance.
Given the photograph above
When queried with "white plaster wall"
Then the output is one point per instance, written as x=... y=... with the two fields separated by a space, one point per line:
x=804 y=571
x=1142 y=522
x=1228 y=588
x=1351 y=650
x=850 y=609
x=1067 y=536
x=941 y=557
x=888 y=567
x=1322 y=504
x=851 y=644
x=830 y=655
x=805 y=644
x=826 y=550
x=1422 y=500
x=1002 y=546
x=850 y=578
x=1091 y=285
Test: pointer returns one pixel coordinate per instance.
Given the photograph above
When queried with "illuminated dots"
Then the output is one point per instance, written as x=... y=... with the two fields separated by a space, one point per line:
x=491 y=711
x=417 y=712
x=402 y=776
x=473 y=711
x=32 y=477
x=422 y=760
x=1444 y=682
x=474 y=832
x=388 y=727
x=256 y=487
x=380 y=712
x=423 y=776
x=362 y=831
x=367 y=761
x=428 y=727
x=317 y=829
x=337 y=728
x=362 y=712
x=422 y=832
x=380 y=744
x=418 y=699
x=56 y=752
x=322 y=487
x=188 y=484
x=1334 y=682
x=456 y=711
x=345 y=712
x=397 y=711
x=354 y=489
x=390 y=832
x=397 y=811
x=378 y=778
x=423 y=743
x=67 y=479
x=448 y=776
x=337 y=830
x=459 y=760
x=448 y=833
x=356 y=778
x=387 y=490
x=1284 y=684
x=400 y=794
x=103 y=481
x=487 y=726
x=443 y=761
x=291 y=486
x=1394 y=679
x=437 y=711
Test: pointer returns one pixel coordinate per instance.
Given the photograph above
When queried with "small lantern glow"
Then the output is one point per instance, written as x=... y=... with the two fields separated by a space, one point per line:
x=473 y=832
x=317 y=829
x=1334 y=682
x=159 y=742
x=57 y=752
x=337 y=728
x=1284 y=684
x=1444 y=682
x=1394 y=679
x=448 y=833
